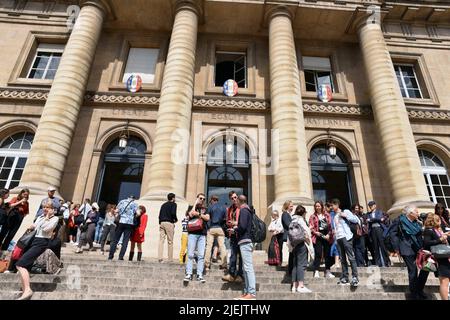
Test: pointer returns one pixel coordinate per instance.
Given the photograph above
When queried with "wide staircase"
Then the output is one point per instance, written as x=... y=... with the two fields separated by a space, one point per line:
x=89 y=276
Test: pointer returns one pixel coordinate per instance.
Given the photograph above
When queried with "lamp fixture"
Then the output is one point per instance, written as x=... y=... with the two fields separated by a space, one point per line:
x=124 y=136
x=331 y=145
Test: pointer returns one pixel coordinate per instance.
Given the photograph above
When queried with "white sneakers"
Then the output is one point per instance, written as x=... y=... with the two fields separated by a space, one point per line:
x=303 y=290
x=300 y=290
x=316 y=274
x=329 y=275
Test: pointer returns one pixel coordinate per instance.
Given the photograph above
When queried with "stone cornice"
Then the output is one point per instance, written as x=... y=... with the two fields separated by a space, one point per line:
x=216 y=103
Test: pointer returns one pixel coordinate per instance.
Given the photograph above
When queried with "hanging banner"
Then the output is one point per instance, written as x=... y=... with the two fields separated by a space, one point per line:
x=230 y=88
x=134 y=83
x=325 y=94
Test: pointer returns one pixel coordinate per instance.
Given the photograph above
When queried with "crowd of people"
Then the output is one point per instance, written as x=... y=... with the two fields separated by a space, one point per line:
x=332 y=236
x=57 y=222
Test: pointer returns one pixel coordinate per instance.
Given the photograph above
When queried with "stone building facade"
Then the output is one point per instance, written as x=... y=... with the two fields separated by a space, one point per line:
x=64 y=101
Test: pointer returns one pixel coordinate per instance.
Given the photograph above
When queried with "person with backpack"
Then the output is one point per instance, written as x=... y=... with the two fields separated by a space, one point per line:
x=198 y=217
x=127 y=211
x=218 y=214
x=344 y=239
x=243 y=230
x=138 y=236
x=299 y=238
x=322 y=238
x=376 y=222
x=406 y=236
x=235 y=261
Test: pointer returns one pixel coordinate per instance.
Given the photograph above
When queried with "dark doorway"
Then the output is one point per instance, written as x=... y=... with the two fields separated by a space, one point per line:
x=330 y=177
x=228 y=169
x=122 y=171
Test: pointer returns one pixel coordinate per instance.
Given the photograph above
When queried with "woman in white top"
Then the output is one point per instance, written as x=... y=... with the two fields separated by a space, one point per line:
x=275 y=228
x=44 y=226
x=300 y=253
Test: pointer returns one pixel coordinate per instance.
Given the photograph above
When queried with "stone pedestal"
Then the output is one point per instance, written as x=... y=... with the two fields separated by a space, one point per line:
x=391 y=118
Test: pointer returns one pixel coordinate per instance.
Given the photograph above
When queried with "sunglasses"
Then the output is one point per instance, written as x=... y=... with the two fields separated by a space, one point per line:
x=234 y=197
x=201 y=198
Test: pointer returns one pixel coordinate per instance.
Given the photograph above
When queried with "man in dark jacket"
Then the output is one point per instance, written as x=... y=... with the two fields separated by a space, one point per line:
x=376 y=221
x=167 y=220
x=243 y=229
x=406 y=237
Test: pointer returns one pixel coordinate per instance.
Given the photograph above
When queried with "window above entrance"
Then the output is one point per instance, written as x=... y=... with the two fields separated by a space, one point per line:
x=141 y=61
x=317 y=71
x=135 y=146
x=231 y=65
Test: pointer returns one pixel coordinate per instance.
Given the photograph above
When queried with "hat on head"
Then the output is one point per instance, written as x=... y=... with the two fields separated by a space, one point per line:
x=51 y=188
x=95 y=206
x=371 y=203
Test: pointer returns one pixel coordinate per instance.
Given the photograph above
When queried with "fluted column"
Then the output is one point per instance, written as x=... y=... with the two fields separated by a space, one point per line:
x=392 y=122
x=47 y=158
x=292 y=177
x=168 y=169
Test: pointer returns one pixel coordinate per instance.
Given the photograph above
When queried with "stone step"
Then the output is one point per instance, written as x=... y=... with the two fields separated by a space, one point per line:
x=130 y=269
x=175 y=294
x=208 y=287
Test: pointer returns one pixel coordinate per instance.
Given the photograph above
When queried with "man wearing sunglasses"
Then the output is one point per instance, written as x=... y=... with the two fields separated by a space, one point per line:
x=232 y=218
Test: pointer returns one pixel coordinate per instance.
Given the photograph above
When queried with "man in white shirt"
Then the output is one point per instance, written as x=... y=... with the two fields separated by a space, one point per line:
x=344 y=237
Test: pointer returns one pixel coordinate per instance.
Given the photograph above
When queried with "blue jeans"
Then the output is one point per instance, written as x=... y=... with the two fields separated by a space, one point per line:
x=249 y=273
x=235 y=257
x=196 y=241
x=98 y=230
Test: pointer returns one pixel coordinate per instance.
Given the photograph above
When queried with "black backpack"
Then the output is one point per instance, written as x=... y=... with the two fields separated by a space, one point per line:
x=258 y=233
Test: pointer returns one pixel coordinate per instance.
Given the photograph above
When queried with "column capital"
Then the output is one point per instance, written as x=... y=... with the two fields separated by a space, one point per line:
x=104 y=5
x=372 y=15
x=278 y=10
x=193 y=5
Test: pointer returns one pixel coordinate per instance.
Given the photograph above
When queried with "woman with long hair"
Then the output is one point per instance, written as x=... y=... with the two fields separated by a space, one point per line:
x=322 y=238
x=44 y=226
x=443 y=214
x=18 y=209
x=72 y=223
x=109 y=225
x=434 y=235
x=138 y=236
x=300 y=253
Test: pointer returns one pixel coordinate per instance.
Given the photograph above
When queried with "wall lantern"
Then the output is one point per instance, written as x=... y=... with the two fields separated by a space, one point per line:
x=123 y=138
x=331 y=145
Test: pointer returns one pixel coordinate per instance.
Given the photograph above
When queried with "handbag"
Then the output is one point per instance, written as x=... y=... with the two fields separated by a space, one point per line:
x=83 y=227
x=195 y=225
x=26 y=240
x=440 y=251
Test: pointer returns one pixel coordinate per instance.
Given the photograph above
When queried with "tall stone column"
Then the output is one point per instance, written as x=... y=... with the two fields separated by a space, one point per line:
x=391 y=119
x=292 y=176
x=168 y=167
x=47 y=158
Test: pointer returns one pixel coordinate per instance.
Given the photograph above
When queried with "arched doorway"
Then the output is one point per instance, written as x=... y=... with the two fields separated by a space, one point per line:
x=122 y=170
x=436 y=177
x=228 y=168
x=13 y=157
x=330 y=177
